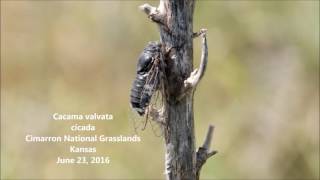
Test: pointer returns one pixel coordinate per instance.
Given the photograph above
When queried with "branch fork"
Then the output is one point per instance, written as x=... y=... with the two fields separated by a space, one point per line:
x=204 y=152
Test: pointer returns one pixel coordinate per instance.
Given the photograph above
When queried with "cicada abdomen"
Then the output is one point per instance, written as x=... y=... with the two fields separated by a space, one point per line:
x=136 y=93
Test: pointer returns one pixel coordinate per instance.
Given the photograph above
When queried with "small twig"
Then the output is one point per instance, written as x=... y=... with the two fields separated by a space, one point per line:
x=192 y=81
x=203 y=152
x=197 y=34
x=196 y=75
x=157 y=15
x=207 y=141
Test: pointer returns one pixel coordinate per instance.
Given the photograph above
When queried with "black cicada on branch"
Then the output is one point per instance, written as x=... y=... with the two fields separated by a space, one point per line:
x=148 y=79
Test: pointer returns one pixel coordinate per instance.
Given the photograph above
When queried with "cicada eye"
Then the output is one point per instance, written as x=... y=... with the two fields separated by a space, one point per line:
x=144 y=62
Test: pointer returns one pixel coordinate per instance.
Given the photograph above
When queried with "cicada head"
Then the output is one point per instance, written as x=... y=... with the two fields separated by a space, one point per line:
x=147 y=56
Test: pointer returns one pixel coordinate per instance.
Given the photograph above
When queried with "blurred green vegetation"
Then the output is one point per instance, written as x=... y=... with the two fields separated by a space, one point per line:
x=261 y=88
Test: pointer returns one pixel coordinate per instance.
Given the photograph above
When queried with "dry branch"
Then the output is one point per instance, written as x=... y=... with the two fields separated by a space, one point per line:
x=196 y=75
x=175 y=20
x=203 y=152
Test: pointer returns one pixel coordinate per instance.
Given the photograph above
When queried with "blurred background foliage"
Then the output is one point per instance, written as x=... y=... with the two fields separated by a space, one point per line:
x=261 y=89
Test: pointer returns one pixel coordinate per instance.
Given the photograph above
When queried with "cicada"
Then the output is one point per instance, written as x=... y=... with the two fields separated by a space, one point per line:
x=148 y=84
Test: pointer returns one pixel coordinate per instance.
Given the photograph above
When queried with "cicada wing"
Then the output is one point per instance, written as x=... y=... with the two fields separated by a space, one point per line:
x=156 y=104
x=150 y=97
x=138 y=121
x=149 y=87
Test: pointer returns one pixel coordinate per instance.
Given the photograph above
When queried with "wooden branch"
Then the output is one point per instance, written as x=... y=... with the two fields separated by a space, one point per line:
x=203 y=152
x=192 y=81
x=175 y=20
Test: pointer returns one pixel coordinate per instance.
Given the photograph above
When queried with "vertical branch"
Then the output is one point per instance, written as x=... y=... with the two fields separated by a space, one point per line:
x=175 y=21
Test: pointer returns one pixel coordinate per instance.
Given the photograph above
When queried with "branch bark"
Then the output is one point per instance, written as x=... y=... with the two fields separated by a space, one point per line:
x=175 y=21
